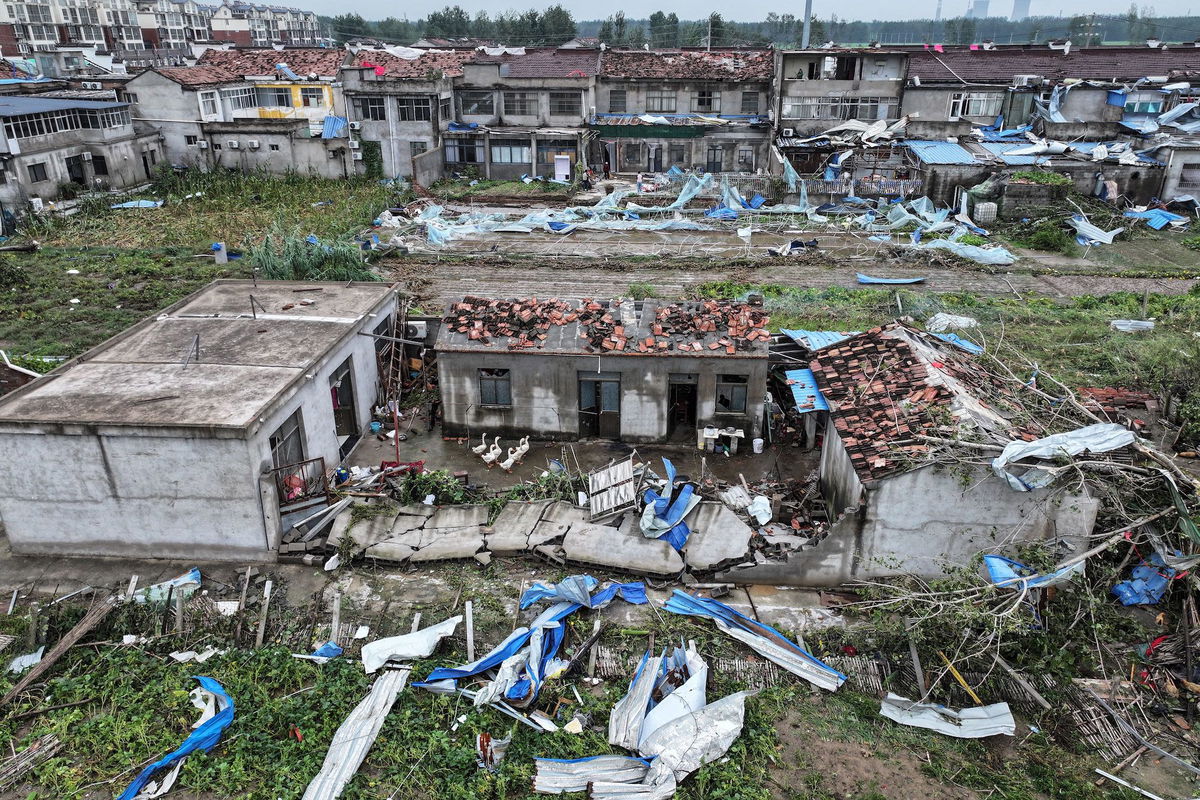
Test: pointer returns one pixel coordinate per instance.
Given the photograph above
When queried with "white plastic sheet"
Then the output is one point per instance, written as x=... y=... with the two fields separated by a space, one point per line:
x=1099 y=438
x=969 y=723
x=689 y=742
x=420 y=644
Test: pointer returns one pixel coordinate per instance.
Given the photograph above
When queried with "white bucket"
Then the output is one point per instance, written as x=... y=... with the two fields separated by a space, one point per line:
x=757 y=445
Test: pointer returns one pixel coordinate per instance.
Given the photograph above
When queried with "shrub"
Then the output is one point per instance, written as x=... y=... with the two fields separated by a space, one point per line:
x=1051 y=239
x=1042 y=177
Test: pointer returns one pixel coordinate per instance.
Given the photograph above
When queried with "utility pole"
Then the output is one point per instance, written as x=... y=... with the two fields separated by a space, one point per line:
x=708 y=38
x=807 y=31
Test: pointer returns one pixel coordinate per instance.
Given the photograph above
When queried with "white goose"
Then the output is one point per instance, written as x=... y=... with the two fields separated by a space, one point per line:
x=522 y=449
x=490 y=456
x=483 y=445
x=507 y=464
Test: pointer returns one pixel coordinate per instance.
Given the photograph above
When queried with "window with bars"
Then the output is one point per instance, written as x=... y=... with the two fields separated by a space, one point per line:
x=477 y=103
x=511 y=151
x=706 y=101
x=661 y=100
x=416 y=148
x=415 y=109
x=975 y=104
x=566 y=104
x=617 y=101
x=520 y=104
x=370 y=108
x=749 y=102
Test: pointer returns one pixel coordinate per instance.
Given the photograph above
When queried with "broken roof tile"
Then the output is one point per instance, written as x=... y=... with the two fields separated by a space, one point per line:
x=702 y=65
x=263 y=61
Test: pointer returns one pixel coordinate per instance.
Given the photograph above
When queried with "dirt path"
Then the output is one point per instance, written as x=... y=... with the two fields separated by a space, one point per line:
x=438 y=283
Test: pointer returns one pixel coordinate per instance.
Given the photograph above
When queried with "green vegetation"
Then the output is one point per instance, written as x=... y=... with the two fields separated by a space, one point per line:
x=1191 y=242
x=642 y=291
x=1040 y=176
x=459 y=189
x=1048 y=237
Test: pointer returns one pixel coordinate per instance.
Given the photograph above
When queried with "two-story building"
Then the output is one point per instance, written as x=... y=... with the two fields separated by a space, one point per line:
x=658 y=109
x=402 y=105
x=51 y=141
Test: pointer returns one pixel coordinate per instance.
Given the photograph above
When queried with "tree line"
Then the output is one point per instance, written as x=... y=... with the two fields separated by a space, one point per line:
x=555 y=25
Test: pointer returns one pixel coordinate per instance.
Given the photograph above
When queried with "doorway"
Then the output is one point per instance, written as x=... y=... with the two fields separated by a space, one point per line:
x=681 y=403
x=600 y=405
x=345 y=421
x=75 y=173
x=654 y=158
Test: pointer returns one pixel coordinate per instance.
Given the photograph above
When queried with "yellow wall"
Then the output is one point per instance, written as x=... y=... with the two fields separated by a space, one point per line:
x=297 y=103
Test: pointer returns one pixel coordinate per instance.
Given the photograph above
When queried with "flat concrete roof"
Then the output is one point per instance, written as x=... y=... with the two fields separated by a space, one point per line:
x=245 y=362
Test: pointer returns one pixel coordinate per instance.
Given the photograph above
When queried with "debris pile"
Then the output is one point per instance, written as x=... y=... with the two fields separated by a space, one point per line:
x=525 y=322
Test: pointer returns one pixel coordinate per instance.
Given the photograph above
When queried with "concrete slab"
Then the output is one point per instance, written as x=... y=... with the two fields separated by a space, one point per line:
x=406 y=523
x=367 y=532
x=718 y=535
x=547 y=532
x=598 y=544
x=562 y=511
x=459 y=516
x=441 y=543
x=517 y=520
x=389 y=551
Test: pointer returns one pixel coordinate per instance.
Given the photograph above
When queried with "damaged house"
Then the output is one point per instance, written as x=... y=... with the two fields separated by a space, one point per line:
x=637 y=371
x=200 y=433
x=893 y=393
x=689 y=109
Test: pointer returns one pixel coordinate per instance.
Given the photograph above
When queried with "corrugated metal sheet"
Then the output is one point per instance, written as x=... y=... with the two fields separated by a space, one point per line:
x=805 y=391
x=999 y=149
x=611 y=487
x=933 y=152
x=334 y=127
x=815 y=340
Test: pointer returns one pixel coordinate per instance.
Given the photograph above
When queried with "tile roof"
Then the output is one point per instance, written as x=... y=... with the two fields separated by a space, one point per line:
x=448 y=63
x=546 y=62
x=198 y=76
x=890 y=384
x=257 y=62
x=714 y=65
x=935 y=152
x=1096 y=63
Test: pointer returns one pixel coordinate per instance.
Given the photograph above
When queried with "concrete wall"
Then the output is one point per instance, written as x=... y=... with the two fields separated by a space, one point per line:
x=637 y=89
x=488 y=77
x=840 y=486
x=395 y=135
x=96 y=491
x=122 y=150
x=927 y=521
x=633 y=152
x=1175 y=180
x=545 y=393
x=283 y=146
x=428 y=167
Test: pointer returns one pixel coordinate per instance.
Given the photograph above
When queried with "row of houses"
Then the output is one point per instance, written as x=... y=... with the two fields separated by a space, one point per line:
x=865 y=121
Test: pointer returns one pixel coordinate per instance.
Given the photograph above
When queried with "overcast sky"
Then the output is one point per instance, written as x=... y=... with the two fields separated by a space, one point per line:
x=745 y=10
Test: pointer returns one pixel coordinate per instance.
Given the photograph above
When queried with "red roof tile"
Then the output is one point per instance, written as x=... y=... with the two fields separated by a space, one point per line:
x=546 y=62
x=256 y=62
x=198 y=76
x=446 y=63
x=715 y=65
x=1097 y=63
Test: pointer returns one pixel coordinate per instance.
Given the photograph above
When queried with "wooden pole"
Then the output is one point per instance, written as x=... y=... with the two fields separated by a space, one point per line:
x=262 y=620
x=335 y=625
x=179 y=613
x=470 y=611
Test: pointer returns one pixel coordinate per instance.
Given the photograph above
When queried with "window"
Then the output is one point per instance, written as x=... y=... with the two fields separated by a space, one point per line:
x=287 y=442
x=520 y=104
x=975 y=104
x=464 y=151
x=511 y=151
x=371 y=108
x=495 y=387
x=274 y=148
x=675 y=153
x=476 y=103
x=417 y=148
x=274 y=96
x=208 y=104
x=190 y=140
x=415 y=109
x=547 y=149
x=241 y=98
x=706 y=101
x=1144 y=103
x=745 y=157
x=37 y=172
x=312 y=97
x=841 y=107
x=617 y=101
x=660 y=100
x=99 y=165
x=731 y=394
x=216 y=146
x=566 y=104
x=444 y=111
x=128 y=97
x=749 y=102
x=153 y=157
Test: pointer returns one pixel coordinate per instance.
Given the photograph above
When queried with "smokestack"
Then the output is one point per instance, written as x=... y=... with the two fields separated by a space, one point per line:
x=808 y=24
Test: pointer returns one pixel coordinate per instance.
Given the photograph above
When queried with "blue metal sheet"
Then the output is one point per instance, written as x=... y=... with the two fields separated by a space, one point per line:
x=15 y=105
x=999 y=149
x=934 y=152
x=334 y=127
x=804 y=388
x=958 y=341
x=815 y=340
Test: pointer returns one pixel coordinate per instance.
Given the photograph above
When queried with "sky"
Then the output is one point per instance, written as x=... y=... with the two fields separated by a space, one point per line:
x=744 y=10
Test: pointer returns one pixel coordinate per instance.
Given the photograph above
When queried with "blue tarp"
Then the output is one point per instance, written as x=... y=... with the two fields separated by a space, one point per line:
x=334 y=127
x=805 y=392
x=139 y=204
x=578 y=589
x=204 y=738
x=868 y=279
x=462 y=127
x=958 y=341
x=328 y=650
x=1156 y=217
x=671 y=514
x=1147 y=584
x=721 y=212
x=1012 y=574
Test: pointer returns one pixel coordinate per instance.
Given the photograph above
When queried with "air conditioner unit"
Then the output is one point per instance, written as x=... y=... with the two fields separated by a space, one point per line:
x=788 y=132
x=417 y=331
x=355 y=144
x=92 y=85
x=1027 y=80
x=252 y=144
x=357 y=156
x=232 y=144
x=203 y=145
x=356 y=126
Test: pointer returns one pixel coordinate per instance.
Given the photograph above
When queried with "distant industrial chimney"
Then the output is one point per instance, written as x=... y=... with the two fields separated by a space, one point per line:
x=1020 y=10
